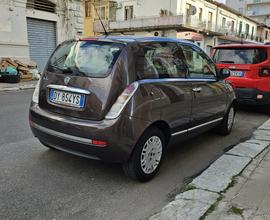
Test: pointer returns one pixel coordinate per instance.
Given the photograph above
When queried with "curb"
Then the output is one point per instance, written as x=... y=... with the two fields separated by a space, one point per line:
x=204 y=191
x=17 y=88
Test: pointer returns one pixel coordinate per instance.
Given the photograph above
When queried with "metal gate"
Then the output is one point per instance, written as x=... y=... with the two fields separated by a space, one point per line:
x=41 y=39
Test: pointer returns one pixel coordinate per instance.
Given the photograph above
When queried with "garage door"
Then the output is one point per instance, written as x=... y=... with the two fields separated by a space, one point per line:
x=41 y=39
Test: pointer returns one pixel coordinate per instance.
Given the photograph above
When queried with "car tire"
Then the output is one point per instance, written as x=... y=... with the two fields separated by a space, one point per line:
x=226 y=125
x=146 y=158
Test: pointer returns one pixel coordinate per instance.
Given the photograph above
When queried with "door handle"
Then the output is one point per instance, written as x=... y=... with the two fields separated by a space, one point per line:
x=197 y=89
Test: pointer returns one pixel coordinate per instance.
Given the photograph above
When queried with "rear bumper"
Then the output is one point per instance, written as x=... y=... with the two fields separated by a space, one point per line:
x=75 y=135
x=248 y=96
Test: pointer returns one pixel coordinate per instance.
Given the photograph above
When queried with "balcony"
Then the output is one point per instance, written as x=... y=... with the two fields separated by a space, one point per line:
x=141 y=24
x=255 y=2
x=197 y=24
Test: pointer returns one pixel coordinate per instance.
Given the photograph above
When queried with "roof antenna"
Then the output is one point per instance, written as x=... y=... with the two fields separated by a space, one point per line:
x=106 y=33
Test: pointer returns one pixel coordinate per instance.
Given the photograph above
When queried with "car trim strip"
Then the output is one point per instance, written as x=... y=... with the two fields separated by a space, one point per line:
x=62 y=135
x=196 y=127
x=180 y=132
x=69 y=89
x=143 y=81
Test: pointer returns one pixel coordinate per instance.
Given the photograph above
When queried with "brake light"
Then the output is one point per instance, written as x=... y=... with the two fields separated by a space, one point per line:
x=100 y=143
x=35 y=97
x=264 y=72
x=122 y=100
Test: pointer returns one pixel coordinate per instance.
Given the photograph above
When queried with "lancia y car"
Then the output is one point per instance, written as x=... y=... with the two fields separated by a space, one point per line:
x=126 y=99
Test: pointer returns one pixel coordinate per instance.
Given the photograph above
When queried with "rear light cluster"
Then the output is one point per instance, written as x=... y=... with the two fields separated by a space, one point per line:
x=264 y=72
x=100 y=143
x=35 y=97
x=122 y=100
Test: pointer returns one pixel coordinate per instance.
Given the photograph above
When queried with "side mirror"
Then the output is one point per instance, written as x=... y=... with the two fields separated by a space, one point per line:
x=225 y=73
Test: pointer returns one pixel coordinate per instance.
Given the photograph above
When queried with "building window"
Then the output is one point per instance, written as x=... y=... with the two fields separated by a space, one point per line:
x=240 y=27
x=241 y=10
x=200 y=14
x=223 y=22
x=128 y=12
x=42 y=5
x=247 y=29
x=252 y=32
x=101 y=12
x=87 y=8
x=210 y=17
x=266 y=35
x=232 y=27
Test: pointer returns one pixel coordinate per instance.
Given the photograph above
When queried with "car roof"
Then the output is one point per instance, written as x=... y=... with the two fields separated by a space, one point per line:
x=130 y=39
x=224 y=46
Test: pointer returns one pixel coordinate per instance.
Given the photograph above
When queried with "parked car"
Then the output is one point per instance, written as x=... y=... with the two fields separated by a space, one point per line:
x=250 y=71
x=124 y=99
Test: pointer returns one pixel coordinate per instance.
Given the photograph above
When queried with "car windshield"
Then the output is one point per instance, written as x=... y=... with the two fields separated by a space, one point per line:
x=88 y=58
x=240 y=55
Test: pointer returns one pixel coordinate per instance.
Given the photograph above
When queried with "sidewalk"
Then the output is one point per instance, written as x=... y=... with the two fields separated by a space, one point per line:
x=236 y=186
x=249 y=198
x=17 y=86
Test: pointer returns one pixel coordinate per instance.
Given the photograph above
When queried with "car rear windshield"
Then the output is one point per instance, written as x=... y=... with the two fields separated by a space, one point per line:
x=240 y=55
x=86 y=58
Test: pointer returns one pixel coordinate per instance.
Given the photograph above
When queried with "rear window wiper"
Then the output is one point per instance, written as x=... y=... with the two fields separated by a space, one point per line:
x=73 y=70
x=226 y=61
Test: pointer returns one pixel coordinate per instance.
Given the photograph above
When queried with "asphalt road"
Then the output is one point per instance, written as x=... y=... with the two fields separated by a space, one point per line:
x=37 y=183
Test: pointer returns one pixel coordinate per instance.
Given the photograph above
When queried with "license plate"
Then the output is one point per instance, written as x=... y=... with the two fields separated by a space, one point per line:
x=67 y=98
x=237 y=73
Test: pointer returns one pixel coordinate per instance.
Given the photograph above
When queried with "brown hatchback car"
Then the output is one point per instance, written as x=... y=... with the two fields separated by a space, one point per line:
x=124 y=99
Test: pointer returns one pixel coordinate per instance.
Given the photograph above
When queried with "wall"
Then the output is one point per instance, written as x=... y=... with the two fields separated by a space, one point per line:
x=146 y=8
x=237 y=4
x=13 y=27
x=88 y=21
x=13 y=34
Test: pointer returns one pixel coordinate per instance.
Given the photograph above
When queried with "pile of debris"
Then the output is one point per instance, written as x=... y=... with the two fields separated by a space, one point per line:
x=24 y=71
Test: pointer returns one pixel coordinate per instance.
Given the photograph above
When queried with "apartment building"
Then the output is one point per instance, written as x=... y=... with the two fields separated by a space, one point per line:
x=239 y=5
x=204 y=22
x=95 y=9
x=31 y=29
x=258 y=10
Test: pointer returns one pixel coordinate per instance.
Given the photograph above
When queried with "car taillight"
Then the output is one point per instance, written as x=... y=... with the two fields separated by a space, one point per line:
x=264 y=72
x=100 y=143
x=35 y=97
x=122 y=100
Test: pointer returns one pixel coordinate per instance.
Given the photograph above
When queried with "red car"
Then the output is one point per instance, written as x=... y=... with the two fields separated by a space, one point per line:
x=250 y=71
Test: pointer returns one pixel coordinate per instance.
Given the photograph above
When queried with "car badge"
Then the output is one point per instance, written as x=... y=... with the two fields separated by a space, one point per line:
x=66 y=80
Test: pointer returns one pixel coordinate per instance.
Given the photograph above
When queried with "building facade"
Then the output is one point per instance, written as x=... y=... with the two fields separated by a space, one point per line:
x=258 y=10
x=31 y=29
x=239 y=5
x=205 y=22
x=95 y=9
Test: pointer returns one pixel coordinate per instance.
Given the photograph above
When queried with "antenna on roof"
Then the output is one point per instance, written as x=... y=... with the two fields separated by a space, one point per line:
x=106 y=33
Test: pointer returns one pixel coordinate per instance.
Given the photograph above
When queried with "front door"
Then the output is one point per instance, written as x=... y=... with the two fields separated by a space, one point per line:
x=161 y=66
x=209 y=95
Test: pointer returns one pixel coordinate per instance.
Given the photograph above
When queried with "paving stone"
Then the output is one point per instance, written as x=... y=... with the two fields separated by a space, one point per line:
x=190 y=205
x=249 y=149
x=262 y=135
x=219 y=175
x=265 y=126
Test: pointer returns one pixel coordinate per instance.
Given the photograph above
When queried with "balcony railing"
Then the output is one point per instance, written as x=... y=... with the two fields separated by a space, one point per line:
x=142 y=23
x=253 y=2
x=197 y=24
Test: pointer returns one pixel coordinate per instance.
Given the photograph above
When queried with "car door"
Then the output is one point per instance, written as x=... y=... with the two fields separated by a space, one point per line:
x=209 y=94
x=162 y=70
